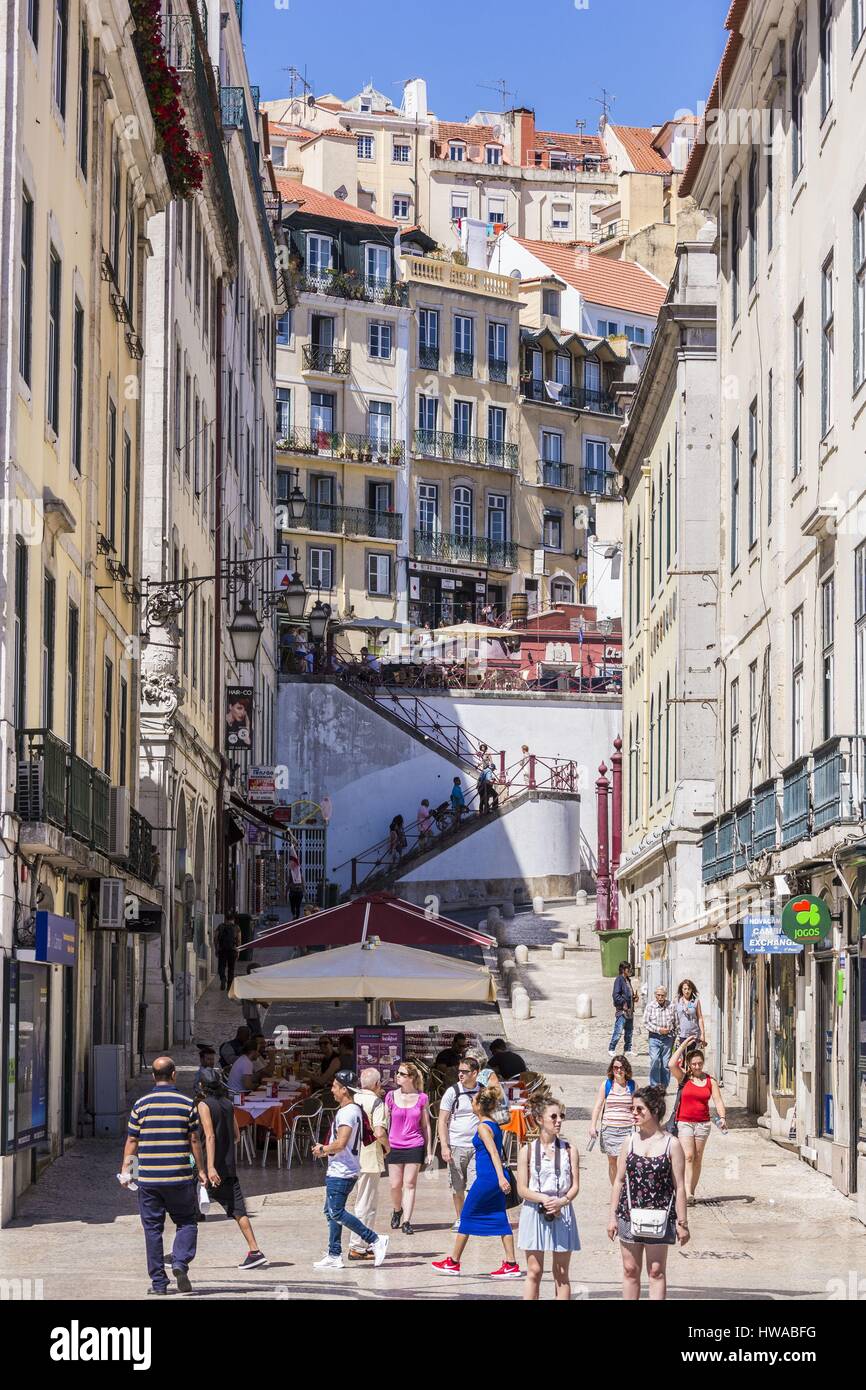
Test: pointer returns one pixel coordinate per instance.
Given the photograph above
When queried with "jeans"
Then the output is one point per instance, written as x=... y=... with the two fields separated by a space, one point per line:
x=180 y=1202
x=660 y=1052
x=621 y=1024
x=226 y=962
x=337 y=1193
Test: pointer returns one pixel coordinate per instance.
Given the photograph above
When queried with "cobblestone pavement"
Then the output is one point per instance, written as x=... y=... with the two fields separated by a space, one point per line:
x=766 y=1226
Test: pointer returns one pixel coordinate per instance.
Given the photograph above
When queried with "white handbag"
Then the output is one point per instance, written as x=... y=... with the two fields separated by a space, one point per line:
x=650 y=1223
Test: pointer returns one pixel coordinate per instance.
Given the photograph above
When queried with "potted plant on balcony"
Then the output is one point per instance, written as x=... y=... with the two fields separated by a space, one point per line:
x=394 y=455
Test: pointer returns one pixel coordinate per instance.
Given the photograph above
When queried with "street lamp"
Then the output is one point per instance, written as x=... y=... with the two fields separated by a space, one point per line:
x=318 y=620
x=295 y=594
x=246 y=633
x=297 y=501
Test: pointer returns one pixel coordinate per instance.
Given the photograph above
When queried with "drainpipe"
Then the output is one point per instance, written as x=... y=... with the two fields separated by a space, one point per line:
x=218 y=599
x=615 y=828
x=602 y=899
x=643 y=619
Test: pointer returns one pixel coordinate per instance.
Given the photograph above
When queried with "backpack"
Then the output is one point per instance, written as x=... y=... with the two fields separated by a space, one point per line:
x=365 y=1131
x=225 y=937
x=608 y=1084
x=457 y=1096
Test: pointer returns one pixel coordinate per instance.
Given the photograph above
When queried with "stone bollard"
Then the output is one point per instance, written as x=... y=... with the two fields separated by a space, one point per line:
x=521 y=954
x=574 y=936
x=557 y=950
x=522 y=1008
x=493 y=917
x=508 y=909
x=538 y=905
x=584 y=1006
x=500 y=931
x=508 y=969
x=580 y=897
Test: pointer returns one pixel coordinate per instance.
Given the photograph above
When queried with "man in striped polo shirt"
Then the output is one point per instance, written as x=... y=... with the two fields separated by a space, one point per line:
x=163 y=1132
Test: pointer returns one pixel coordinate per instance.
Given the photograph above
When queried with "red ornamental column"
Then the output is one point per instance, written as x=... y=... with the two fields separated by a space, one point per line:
x=615 y=828
x=602 y=900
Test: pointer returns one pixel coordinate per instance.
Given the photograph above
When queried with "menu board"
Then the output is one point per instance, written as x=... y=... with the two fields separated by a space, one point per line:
x=383 y=1048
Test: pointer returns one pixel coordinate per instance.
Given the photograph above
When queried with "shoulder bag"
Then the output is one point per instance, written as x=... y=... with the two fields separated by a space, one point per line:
x=648 y=1223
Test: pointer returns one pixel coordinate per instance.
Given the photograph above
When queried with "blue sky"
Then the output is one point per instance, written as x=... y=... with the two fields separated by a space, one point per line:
x=555 y=55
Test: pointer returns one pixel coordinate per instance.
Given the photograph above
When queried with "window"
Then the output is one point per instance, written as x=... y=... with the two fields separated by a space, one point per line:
x=25 y=306
x=178 y=386
x=859 y=292
x=378 y=574
x=562 y=371
x=550 y=303
x=770 y=184
x=123 y=731
x=20 y=692
x=561 y=591
x=401 y=153
x=797 y=691
x=53 y=365
x=320 y=251
x=49 y=597
x=114 y=210
x=754 y=731
x=595 y=465
x=798 y=100
x=321 y=412
x=379 y=339
x=607 y=329
x=187 y=423
x=461 y=512
x=652 y=749
x=552 y=531
x=652 y=540
x=428 y=337
x=284 y=328
x=377 y=265
x=495 y=433
x=73 y=676
x=497 y=517
x=456 y=152
x=858 y=21
x=400 y=207
x=494 y=154
x=131 y=247
x=799 y=392
x=496 y=211
x=735 y=259
x=753 y=473
x=462 y=427
x=196 y=447
x=428 y=414
x=365 y=147
x=770 y=447
x=735 y=500
x=859 y=635
x=61 y=42
x=734 y=743
x=283 y=419
x=428 y=508
x=828 y=625
x=825 y=46
x=668 y=509
x=83 y=101
x=77 y=385
x=111 y=474
x=560 y=218
x=463 y=337
x=321 y=567
x=33 y=20
x=107 y=711
x=635 y=334
x=752 y=214
x=551 y=446
x=379 y=425
x=459 y=206
x=827 y=348
x=126 y=503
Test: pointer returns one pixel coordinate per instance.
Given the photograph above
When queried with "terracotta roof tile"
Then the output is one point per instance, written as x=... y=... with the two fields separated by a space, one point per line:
x=614 y=284
x=291 y=132
x=323 y=205
x=572 y=144
x=735 y=16
x=332 y=132
x=637 y=141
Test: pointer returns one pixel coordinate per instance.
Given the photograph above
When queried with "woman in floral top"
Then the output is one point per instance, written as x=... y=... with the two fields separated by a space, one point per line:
x=650 y=1173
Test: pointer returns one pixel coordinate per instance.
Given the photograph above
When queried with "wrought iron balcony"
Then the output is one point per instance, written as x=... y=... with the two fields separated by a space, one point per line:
x=725 y=846
x=351 y=448
x=473 y=550
x=838 y=790
x=141 y=860
x=428 y=356
x=497 y=368
x=796 y=808
x=348 y=284
x=57 y=787
x=708 y=852
x=80 y=799
x=351 y=521
x=743 y=836
x=464 y=364
x=101 y=794
x=554 y=474
x=571 y=397
x=233 y=107
x=597 y=482
x=333 y=361
x=465 y=448
x=764 y=818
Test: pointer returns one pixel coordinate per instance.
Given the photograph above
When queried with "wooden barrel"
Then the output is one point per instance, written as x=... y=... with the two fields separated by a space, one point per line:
x=519 y=607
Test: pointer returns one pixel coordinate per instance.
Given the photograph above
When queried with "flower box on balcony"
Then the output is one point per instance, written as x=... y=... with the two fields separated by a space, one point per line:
x=162 y=85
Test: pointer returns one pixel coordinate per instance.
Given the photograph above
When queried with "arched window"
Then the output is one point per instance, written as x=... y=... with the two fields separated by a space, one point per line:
x=652 y=748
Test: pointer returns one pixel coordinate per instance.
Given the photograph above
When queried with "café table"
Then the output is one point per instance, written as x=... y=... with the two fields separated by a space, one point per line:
x=271 y=1113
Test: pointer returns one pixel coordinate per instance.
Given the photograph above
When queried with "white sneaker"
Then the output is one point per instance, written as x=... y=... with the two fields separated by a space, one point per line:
x=330 y=1262
x=380 y=1249
x=611 y=1052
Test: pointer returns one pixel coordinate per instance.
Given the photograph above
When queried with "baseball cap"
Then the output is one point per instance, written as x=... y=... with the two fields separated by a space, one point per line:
x=347 y=1079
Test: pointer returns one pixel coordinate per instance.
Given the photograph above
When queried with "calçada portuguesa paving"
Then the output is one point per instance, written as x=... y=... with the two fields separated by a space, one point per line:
x=766 y=1227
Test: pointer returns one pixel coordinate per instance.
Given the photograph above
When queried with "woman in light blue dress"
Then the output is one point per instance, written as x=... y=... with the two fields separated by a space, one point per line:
x=548 y=1179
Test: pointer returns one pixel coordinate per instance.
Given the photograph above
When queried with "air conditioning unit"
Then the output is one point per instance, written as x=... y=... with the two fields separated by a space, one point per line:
x=118 y=827
x=111 y=896
x=28 y=792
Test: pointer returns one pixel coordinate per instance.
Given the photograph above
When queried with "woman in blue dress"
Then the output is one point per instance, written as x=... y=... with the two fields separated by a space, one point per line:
x=484 y=1212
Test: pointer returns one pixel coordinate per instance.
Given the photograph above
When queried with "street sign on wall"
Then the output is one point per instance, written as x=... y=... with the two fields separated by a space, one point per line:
x=763 y=936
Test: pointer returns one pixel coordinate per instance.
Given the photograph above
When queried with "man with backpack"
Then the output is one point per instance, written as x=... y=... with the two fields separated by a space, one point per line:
x=227 y=941
x=458 y=1125
x=372 y=1159
x=349 y=1131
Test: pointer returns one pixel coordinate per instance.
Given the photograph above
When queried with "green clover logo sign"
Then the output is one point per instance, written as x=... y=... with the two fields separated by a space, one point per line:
x=806 y=919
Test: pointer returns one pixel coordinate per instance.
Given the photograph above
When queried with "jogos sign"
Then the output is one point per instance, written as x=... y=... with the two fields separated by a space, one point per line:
x=806 y=919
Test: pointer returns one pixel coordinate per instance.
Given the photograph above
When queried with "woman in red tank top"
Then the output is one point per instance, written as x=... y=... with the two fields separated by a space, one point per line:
x=697 y=1089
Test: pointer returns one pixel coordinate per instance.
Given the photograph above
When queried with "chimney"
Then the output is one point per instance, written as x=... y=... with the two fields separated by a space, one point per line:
x=415 y=99
x=524 y=133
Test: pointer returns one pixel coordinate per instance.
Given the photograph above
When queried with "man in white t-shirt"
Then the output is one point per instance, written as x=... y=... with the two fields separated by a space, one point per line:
x=343 y=1152
x=458 y=1125
x=242 y=1076
x=372 y=1159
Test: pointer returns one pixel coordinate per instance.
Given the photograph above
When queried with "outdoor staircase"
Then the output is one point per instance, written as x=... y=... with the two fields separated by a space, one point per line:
x=419 y=719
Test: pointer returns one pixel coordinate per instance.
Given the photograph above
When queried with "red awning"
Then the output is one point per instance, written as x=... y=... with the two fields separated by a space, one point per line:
x=375 y=914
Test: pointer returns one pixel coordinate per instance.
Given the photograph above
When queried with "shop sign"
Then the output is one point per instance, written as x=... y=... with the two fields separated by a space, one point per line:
x=806 y=919
x=262 y=785
x=239 y=718
x=56 y=939
x=763 y=936
x=381 y=1048
x=430 y=567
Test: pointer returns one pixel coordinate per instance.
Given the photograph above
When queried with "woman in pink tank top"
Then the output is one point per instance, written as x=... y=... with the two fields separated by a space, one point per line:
x=410 y=1138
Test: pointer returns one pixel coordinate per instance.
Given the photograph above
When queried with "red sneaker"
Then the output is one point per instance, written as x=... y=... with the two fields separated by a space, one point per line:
x=447 y=1266
x=506 y=1271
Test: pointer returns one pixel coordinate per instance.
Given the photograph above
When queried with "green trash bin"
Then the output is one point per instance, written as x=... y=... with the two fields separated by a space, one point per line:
x=614 y=950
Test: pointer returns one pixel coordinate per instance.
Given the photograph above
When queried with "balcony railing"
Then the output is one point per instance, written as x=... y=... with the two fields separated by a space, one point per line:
x=598 y=482
x=333 y=361
x=233 y=106
x=610 y=231
x=141 y=861
x=708 y=852
x=465 y=448
x=743 y=836
x=101 y=793
x=553 y=474
x=838 y=791
x=725 y=846
x=353 y=448
x=473 y=550
x=80 y=823
x=56 y=786
x=464 y=364
x=795 y=802
x=428 y=356
x=764 y=822
x=429 y=271
x=352 y=521
x=497 y=368
x=572 y=397
x=347 y=284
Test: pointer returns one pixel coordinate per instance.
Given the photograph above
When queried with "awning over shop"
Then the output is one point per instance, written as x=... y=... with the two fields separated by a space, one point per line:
x=376 y=914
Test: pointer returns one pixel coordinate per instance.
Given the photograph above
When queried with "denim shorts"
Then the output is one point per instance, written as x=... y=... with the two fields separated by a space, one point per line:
x=694 y=1129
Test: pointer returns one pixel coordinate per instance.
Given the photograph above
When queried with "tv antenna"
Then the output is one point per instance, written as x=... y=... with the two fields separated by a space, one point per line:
x=500 y=85
x=580 y=127
x=299 y=88
x=605 y=101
